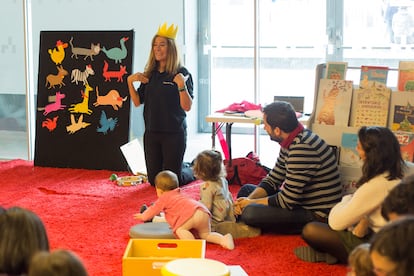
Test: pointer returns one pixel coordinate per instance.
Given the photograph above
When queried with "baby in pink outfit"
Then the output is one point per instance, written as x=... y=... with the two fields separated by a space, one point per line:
x=185 y=215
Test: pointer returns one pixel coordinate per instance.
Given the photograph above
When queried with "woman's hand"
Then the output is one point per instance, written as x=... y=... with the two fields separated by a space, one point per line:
x=180 y=80
x=362 y=228
x=185 y=100
x=137 y=77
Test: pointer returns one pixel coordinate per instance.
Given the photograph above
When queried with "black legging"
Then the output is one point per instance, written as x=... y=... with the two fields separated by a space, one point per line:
x=164 y=151
x=322 y=238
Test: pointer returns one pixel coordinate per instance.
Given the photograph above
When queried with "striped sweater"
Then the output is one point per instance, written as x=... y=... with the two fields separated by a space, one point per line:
x=306 y=175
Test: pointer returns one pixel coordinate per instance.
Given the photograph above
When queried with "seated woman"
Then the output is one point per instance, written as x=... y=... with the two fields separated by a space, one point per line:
x=382 y=169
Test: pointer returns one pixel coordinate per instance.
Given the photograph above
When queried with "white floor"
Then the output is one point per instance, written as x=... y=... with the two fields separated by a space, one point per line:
x=13 y=145
x=242 y=144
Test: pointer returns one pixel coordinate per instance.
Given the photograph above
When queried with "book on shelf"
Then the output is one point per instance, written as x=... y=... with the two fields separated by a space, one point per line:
x=370 y=106
x=406 y=140
x=336 y=70
x=405 y=76
x=334 y=102
x=371 y=74
x=349 y=156
x=349 y=178
x=402 y=111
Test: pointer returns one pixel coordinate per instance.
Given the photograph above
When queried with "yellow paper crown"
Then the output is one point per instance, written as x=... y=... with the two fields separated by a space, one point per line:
x=171 y=32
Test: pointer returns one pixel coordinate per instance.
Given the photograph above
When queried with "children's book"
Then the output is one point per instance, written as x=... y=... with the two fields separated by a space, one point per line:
x=370 y=106
x=349 y=156
x=336 y=70
x=333 y=102
x=371 y=74
x=406 y=76
x=349 y=179
x=402 y=111
x=406 y=140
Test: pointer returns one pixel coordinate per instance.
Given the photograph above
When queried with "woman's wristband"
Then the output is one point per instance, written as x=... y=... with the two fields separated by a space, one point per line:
x=182 y=89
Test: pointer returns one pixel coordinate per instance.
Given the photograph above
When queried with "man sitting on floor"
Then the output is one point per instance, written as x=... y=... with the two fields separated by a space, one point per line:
x=303 y=185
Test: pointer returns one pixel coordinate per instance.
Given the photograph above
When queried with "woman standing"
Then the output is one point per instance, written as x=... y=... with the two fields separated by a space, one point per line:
x=166 y=90
x=353 y=220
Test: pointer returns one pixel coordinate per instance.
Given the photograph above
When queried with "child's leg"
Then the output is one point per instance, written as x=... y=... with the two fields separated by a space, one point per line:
x=201 y=222
x=183 y=232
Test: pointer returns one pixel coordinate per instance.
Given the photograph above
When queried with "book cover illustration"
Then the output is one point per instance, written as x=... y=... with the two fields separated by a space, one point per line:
x=406 y=140
x=349 y=156
x=370 y=106
x=406 y=76
x=334 y=102
x=370 y=74
x=336 y=70
x=402 y=111
x=349 y=179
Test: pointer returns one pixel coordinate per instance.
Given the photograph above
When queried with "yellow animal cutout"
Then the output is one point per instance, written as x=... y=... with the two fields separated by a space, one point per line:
x=58 y=55
x=76 y=125
x=82 y=107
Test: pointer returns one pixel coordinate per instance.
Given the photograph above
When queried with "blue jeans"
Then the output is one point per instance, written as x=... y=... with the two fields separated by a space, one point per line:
x=272 y=218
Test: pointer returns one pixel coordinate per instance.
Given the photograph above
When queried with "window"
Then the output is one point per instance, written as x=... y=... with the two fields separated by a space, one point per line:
x=256 y=50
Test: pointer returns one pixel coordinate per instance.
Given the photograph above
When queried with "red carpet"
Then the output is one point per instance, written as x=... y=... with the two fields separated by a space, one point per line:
x=85 y=212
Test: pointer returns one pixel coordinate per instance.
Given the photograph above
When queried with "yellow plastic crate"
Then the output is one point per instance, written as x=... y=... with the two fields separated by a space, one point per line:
x=148 y=256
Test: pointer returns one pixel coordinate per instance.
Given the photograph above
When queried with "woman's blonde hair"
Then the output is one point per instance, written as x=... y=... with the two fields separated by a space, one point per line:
x=173 y=59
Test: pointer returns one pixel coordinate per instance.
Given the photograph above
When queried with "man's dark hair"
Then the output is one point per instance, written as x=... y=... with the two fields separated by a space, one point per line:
x=282 y=115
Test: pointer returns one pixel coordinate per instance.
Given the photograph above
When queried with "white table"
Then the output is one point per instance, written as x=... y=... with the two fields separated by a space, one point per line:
x=219 y=119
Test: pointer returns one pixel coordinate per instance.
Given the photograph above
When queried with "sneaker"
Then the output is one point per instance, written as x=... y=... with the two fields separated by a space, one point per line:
x=308 y=254
x=228 y=242
x=237 y=229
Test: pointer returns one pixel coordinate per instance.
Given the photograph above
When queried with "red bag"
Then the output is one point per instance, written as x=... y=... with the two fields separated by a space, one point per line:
x=245 y=170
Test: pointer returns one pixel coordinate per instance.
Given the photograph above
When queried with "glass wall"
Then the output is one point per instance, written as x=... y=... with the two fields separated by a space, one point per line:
x=265 y=48
x=13 y=134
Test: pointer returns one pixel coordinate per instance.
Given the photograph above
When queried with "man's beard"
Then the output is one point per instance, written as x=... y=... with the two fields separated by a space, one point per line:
x=275 y=138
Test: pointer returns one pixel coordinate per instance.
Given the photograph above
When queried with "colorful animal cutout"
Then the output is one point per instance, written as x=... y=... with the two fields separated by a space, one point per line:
x=55 y=106
x=50 y=124
x=58 y=55
x=82 y=107
x=114 y=74
x=76 y=125
x=54 y=80
x=78 y=51
x=111 y=98
x=107 y=124
x=82 y=76
x=117 y=54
